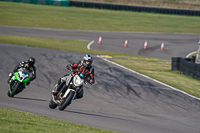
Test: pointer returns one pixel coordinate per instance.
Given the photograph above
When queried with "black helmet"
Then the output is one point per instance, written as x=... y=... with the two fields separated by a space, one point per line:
x=87 y=58
x=31 y=61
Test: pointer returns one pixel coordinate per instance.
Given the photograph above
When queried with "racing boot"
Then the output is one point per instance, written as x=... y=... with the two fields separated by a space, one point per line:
x=58 y=88
x=28 y=83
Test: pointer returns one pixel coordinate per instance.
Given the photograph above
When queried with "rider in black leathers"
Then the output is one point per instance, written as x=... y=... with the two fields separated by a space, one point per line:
x=29 y=65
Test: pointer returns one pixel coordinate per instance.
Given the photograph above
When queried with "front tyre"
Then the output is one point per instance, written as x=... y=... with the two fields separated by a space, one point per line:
x=10 y=87
x=14 y=91
x=52 y=104
x=8 y=93
x=67 y=101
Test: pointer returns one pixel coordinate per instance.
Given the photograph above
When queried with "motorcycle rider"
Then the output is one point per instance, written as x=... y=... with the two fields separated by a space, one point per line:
x=85 y=67
x=29 y=65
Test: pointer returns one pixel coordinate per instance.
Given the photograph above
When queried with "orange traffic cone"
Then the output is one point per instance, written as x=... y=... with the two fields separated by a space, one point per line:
x=162 y=46
x=100 y=39
x=126 y=43
x=145 y=44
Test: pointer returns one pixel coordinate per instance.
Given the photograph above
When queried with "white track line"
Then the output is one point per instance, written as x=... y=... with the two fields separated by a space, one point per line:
x=88 y=46
x=191 y=54
x=149 y=78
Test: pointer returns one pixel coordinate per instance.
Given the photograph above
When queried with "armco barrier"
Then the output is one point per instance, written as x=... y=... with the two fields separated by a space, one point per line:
x=135 y=8
x=186 y=66
x=43 y=2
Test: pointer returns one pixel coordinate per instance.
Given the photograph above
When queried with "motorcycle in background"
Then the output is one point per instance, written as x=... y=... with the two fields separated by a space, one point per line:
x=18 y=82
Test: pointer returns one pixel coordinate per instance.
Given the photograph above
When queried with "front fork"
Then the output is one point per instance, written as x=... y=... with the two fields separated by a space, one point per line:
x=57 y=99
x=11 y=85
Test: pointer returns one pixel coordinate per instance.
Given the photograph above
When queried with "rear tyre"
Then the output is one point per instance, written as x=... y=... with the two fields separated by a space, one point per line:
x=52 y=104
x=67 y=101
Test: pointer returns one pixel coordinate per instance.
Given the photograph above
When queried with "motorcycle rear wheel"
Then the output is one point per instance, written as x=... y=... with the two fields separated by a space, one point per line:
x=67 y=101
x=52 y=104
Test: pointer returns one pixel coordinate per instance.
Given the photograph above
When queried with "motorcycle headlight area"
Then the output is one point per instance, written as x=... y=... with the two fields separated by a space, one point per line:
x=78 y=81
x=22 y=75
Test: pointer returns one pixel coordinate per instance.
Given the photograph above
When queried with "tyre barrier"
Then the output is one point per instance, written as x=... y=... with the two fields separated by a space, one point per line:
x=186 y=66
x=135 y=8
x=111 y=6
x=175 y=63
x=43 y=2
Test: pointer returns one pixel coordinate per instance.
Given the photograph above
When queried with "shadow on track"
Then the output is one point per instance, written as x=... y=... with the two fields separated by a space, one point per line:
x=97 y=115
x=33 y=99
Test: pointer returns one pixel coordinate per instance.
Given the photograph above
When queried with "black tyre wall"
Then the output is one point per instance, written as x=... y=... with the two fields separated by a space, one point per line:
x=134 y=8
x=175 y=65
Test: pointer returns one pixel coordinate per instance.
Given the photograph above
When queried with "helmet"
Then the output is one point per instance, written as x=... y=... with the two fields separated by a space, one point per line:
x=31 y=61
x=87 y=60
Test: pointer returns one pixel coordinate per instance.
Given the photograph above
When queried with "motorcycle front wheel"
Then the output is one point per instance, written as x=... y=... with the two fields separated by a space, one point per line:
x=14 y=91
x=67 y=101
x=8 y=93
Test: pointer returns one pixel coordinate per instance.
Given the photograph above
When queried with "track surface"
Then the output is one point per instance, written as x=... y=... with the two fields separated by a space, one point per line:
x=119 y=100
x=176 y=45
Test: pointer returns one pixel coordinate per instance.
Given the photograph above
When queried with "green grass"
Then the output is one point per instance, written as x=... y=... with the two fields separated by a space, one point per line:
x=59 y=44
x=31 y=15
x=161 y=71
x=13 y=121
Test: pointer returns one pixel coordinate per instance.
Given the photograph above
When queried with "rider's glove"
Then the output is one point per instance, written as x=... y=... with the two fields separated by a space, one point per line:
x=68 y=68
x=91 y=81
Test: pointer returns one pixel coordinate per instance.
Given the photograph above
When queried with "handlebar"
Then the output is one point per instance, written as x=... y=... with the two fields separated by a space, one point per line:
x=88 y=81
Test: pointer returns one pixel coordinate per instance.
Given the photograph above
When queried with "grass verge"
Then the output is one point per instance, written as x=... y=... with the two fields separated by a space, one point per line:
x=44 y=16
x=12 y=121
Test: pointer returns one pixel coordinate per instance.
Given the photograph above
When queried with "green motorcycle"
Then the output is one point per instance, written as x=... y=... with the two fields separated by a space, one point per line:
x=18 y=82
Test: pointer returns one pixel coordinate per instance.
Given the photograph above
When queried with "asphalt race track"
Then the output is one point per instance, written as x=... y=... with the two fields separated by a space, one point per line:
x=175 y=45
x=119 y=100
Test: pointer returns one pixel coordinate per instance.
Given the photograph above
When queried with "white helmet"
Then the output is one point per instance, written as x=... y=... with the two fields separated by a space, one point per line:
x=87 y=60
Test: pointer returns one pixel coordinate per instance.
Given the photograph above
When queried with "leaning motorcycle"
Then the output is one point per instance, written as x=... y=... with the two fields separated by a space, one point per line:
x=70 y=90
x=18 y=82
